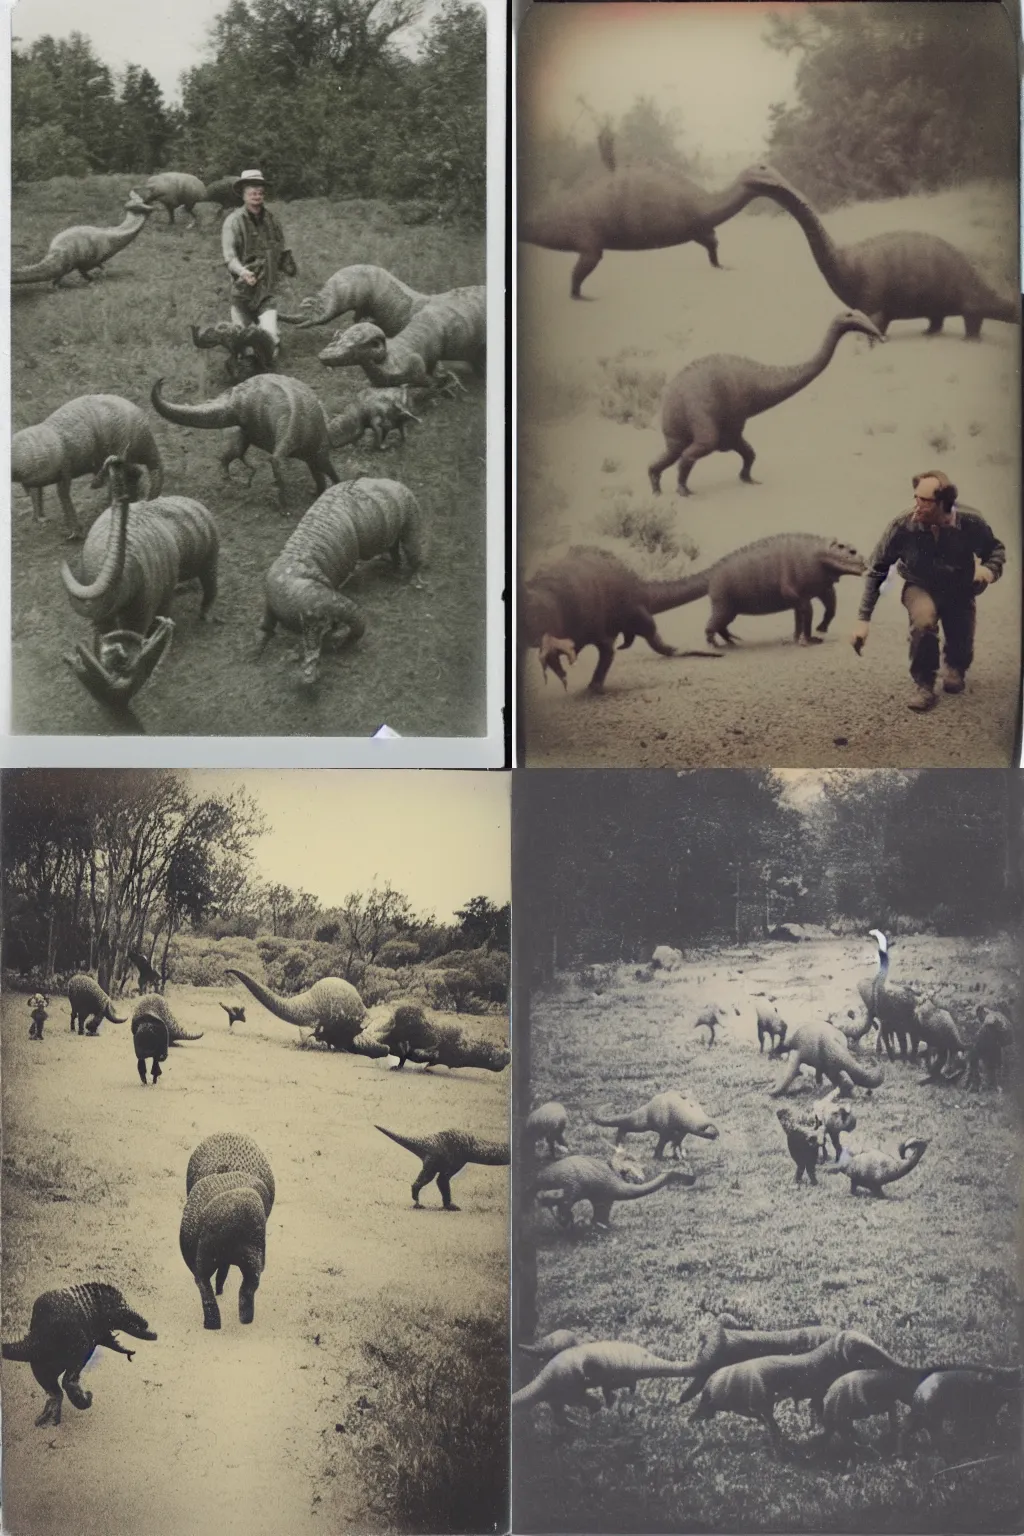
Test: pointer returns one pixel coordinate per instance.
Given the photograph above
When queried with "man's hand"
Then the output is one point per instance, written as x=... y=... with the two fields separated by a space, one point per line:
x=859 y=638
x=982 y=576
x=248 y=277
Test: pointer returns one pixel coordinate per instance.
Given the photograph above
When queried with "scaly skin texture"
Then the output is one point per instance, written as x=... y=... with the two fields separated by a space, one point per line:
x=85 y=248
x=250 y=348
x=873 y=1170
x=969 y=1397
x=753 y=1387
x=548 y=1122
x=637 y=208
x=329 y=1002
x=450 y=327
x=608 y=1364
x=824 y=1048
x=589 y=598
x=706 y=406
x=153 y=1006
x=67 y=1325
x=379 y=411
x=206 y=1189
x=670 y=1116
x=230 y=1228
x=372 y=293
x=90 y=1005
x=445 y=1154
x=347 y=524
x=902 y=275
x=230 y=1152
x=77 y=439
x=727 y=1345
x=175 y=189
x=280 y=415
x=151 y=1038
x=411 y=1036
x=571 y=1179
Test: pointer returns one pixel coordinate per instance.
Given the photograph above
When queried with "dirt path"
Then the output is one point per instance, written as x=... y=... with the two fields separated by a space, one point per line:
x=836 y=458
x=229 y=1432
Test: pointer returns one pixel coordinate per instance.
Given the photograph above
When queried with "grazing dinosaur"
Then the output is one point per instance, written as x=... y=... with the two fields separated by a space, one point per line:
x=891 y=1006
x=752 y=1388
x=589 y=598
x=153 y=1006
x=873 y=1170
x=706 y=406
x=331 y=1004
x=90 y=1005
x=824 y=1048
x=446 y=1153
x=230 y=1152
x=900 y=275
x=865 y=1394
x=608 y=1364
x=728 y=1344
x=67 y=1326
x=450 y=327
x=968 y=1397
x=670 y=1116
x=548 y=1122
x=85 y=248
x=637 y=208
x=224 y=1223
x=176 y=189
x=571 y=1179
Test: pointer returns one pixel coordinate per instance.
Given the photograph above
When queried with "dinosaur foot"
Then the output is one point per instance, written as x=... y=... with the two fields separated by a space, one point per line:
x=50 y=1414
x=77 y=1396
x=451 y=1207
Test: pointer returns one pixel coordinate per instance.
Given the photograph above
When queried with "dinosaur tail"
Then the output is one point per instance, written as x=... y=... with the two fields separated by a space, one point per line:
x=40 y=271
x=21 y=1349
x=622 y=1122
x=534 y=1391
x=211 y=413
x=662 y=595
x=996 y=308
x=403 y=1141
x=183 y=1034
x=108 y=1013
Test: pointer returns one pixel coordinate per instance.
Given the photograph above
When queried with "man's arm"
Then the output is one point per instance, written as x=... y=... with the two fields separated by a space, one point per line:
x=885 y=554
x=989 y=550
x=229 y=244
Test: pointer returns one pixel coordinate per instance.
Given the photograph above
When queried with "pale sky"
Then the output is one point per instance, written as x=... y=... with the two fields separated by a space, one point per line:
x=705 y=61
x=166 y=37
x=439 y=837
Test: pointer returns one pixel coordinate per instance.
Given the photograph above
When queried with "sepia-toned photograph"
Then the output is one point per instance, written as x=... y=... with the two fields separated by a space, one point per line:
x=768 y=389
x=255 y=1048
x=249 y=391
x=767 y=1120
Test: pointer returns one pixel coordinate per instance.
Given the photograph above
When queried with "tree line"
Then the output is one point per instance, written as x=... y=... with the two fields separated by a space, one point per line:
x=315 y=92
x=605 y=866
x=97 y=865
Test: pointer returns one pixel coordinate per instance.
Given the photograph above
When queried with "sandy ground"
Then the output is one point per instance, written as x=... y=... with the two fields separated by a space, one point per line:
x=229 y=1432
x=836 y=459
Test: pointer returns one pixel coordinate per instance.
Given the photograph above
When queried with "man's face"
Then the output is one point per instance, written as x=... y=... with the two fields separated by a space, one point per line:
x=926 y=508
x=253 y=198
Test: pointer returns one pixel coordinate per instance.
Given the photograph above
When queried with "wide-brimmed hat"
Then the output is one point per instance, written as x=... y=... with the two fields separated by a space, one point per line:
x=250 y=179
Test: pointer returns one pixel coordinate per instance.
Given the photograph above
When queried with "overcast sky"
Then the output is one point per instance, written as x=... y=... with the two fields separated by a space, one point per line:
x=166 y=37
x=438 y=837
x=705 y=61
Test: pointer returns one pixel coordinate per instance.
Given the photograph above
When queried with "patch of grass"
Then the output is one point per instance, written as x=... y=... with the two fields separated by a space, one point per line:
x=629 y=393
x=433 y=1448
x=941 y=438
x=647 y=528
x=58 y=1174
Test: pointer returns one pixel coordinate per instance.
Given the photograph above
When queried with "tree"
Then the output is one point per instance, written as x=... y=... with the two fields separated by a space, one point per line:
x=144 y=129
x=481 y=922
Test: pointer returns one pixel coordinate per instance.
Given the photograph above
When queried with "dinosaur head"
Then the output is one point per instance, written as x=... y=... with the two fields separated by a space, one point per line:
x=362 y=343
x=763 y=180
x=122 y=662
x=844 y=559
x=860 y=1353
x=137 y=204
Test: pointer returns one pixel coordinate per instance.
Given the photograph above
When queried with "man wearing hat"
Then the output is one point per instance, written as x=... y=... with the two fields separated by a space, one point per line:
x=255 y=252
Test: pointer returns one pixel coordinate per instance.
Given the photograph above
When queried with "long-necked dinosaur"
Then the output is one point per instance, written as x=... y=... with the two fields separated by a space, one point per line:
x=873 y=1170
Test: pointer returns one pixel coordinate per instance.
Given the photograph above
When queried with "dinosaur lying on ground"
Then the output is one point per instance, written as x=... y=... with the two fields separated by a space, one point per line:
x=85 y=248
x=446 y=1153
x=67 y=1325
x=589 y=598
x=90 y=1005
x=224 y=1223
x=706 y=406
x=901 y=275
x=548 y=1121
x=670 y=1116
x=373 y=294
x=608 y=1364
x=824 y=1048
x=332 y=1005
x=552 y=1344
x=873 y=1170
x=571 y=1179
x=638 y=208
x=412 y=1036
x=728 y=1345
x=379 y=411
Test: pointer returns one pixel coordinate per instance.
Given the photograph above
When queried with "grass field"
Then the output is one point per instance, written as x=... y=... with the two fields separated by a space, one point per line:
x=930 y=1272
x=420 y=667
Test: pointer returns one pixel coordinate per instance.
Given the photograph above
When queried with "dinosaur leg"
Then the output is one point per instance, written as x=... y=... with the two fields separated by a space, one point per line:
x=277 y=470
x=76 y=1393
x=804 y=618
x=606 y=655
x=444 y=1179
x=710 y=244
x=428 y=1173
x=688 y=458
x=972 y=327
x=659 y=1150
x=141 y=1064
x=602 y=1214
x=935 y=325
x=673 y=448
x=828 y=598
x=585 y=264
x=46 y=1373
x=222 y=1275
x=71 y=523
x=36 y=495
x=645 y=626
x=748 y=456
x=236 y=445
x=211 y=1311
x=247 y=1293
x=790 y=1076
x=156 y=1070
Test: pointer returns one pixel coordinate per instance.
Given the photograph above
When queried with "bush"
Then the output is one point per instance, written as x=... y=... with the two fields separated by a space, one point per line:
x=199 y=962
x=398 y=952
x=435 y=1452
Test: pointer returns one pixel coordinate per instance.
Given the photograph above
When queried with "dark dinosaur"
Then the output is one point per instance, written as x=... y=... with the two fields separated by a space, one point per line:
x=891 y=1006
x=67 y=1325
x=224 y=1223
x=986 y=1049
x=148 y=976
x=548 y=1122
x=153 y=1006
x=968 y=1397
x=230 y=1152
x=236 y=1014
x=590 y=597
x=728 y=1344
x=943 y=1040
x=37 y=1006
x=873 y=1170
x=412 y=1036
x=865 y=1394
x=151 y=1039
x=706 y=406
x=670 y=1116
x=901 y=275
x=637 y=208
x=770 y=1027
x=803 y=1141
x=446 y=1153
x=825 y=1049
x=568 y=1180
x=90 y=1005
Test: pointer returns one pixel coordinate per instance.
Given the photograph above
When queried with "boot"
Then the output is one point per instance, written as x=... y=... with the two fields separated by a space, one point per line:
x=923 y=698
x=952 y=680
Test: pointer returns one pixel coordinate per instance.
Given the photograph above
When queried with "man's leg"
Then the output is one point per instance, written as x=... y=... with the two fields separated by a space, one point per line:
x=924 y=645
x=238 y=317
x=267 y=321
x=958 y=620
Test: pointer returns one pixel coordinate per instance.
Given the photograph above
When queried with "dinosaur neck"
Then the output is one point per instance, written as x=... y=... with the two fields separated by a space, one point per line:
x=823 y=248
x=772 y=385
x=719 y=206
x=906 y=1166
x=660 y=595
x=127 y=229
x=282 y=1006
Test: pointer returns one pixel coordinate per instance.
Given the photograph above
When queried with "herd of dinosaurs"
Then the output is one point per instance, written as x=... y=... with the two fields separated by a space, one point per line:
x=138 y=553
x=229 y=1183
x=845 y=1375
x=590 y=597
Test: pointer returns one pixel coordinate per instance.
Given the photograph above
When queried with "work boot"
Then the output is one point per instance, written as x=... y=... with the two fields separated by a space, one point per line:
x=923 y=698
x=952 y=681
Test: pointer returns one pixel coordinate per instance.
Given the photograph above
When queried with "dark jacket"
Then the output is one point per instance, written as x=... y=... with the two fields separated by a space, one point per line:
x=259 y=245
x=942 y=565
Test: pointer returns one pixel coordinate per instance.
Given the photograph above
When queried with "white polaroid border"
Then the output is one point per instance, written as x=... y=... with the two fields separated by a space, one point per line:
x=102 y=751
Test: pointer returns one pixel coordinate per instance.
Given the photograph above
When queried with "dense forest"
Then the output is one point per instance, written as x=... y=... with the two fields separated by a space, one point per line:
x=315 y=92
x=97 y=865
x=607 y=865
